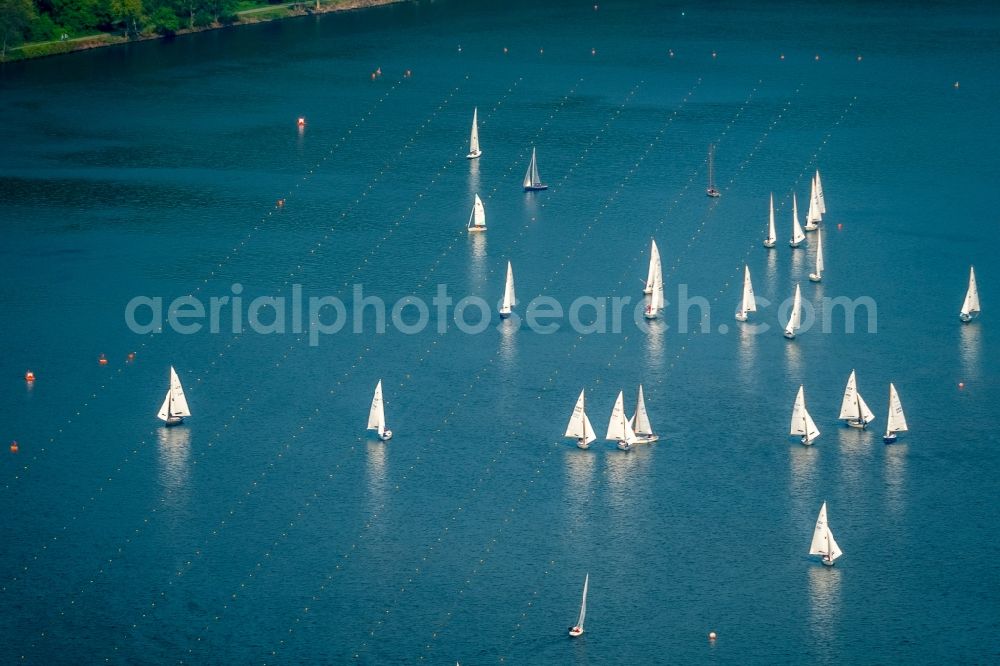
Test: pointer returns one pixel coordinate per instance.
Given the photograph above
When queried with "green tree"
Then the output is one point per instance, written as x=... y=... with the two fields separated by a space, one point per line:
x=130 y=13
x=15 y=17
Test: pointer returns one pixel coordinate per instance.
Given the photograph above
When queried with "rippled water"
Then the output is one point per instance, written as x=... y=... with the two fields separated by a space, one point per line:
x=270 y=529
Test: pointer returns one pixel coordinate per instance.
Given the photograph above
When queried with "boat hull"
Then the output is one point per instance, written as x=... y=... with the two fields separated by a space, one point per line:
x=504 y=315
x=811 y=227
x=477 y=228
x=386 y=435
x=575 y=631
x=646 y=439
x=889 y=439
x=815 y=278
x=966 y=318
x=582 y=444
x=712 y=192
x=537 y=187
x=806 y=441
x=472 y=156
x=624 y=446
x=741 y=316
x=860 y=425
x=769 y=244
x=790 y=336
x=827 y=562
x=792 y=243
x=172 y=421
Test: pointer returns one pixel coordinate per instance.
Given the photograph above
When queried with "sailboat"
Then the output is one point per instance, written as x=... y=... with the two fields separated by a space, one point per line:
x=641 y=426
x=654 y=268
x=619 y=428
x=175 y=406
x=474 y=151
x=823 y=542
x=802 y=423
x=579 y=427
x=970 y=308
x=376 y=415
x=818 y=275
x=820 y=199
x=748 y=303
x=813 y=216
x=797 y=235
x=656 y=298
x=772 y=235
x=897 y=420
x=508 y=294
x=853 y=408
x=795 y=318
x=711 y=191
x=577 y=629
x=531 y=179
x=477 y=218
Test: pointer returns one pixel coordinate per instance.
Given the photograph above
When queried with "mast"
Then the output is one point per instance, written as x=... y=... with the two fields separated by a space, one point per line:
x=654 y=267
x=819 y=194
x=749 y=302
x=797 y=234
x=583 y=602
x=795 y=317
x=641 y=425
x=376 y=415
x=474 y=136
x=772 y=234
x=508 y=292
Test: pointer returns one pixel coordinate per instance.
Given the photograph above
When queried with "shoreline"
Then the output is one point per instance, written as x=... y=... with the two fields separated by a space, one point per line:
x=268 y=13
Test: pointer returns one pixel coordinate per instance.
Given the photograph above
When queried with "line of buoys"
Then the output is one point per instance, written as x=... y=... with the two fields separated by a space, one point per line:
x=29 y=376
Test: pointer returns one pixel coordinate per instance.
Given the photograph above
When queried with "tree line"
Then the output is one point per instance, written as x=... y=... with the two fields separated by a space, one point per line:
x=50 y=20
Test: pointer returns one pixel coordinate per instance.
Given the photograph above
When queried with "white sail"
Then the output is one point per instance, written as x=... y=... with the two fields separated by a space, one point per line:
x=640 y=422
x=970 y=306
x=748 y=302
x=579 y=425
x=619 y=428
x=174 y=403
x=853 y=407
x=654 y=268
x=656 y=298
x=532 y=181
x=794 y=319
x=813 y=216
x=802 y=423
x=508 y=293
x=474 y=136
x=823 y=542
x=583 y=603
x=477 y=219
x=819 y=194
x=818 y=275
x=797 y=234
x=772 y=234
x=376 y=415
x=897 y=420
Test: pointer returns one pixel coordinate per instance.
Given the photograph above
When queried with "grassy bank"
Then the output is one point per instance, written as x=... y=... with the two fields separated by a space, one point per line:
x=250 y=12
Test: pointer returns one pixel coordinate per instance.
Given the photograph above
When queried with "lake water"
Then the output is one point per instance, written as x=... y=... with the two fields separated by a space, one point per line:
x=271 y=529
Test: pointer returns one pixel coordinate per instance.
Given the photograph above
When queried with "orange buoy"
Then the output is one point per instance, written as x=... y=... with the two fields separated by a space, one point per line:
x=29 y=376
x=301 y=122
x=130 y=357
x=102 y=360
x=13 y=447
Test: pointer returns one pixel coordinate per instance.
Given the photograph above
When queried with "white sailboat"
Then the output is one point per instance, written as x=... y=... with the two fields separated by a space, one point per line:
x=509 y=300
x=477 y=218
x=748 y=303
x=376 y=415
x=577 y=629
x=853 y=408
x=802 y=423
x=819 y=194
x=897 y=420
x=772 y=235
x=579 y=427
x=474 y=151
x=813 y=217
x=823 y=543
x=712 y=191
x=175 y=406
x=797 y=235
x=531 y=179
x=641 y=426
x=654 y=268
x=970 y=308
x=818 y=275
x=795 y=318
x=619 y=428
x=656 y=298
